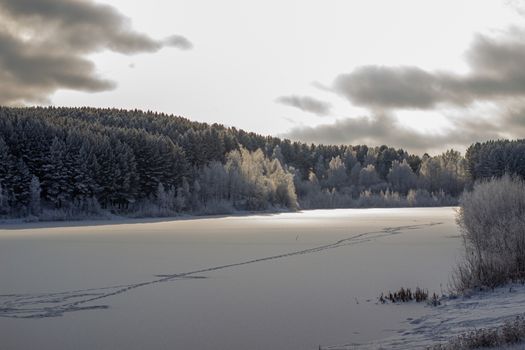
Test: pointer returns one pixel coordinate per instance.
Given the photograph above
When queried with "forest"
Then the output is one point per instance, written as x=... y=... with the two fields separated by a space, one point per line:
x=59 y=163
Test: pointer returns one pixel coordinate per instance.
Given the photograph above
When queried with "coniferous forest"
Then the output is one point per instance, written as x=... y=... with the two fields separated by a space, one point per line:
x=59 y=163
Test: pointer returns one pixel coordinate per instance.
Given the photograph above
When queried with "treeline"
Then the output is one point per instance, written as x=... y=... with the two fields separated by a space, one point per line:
x=67 y=162
x=496 y=158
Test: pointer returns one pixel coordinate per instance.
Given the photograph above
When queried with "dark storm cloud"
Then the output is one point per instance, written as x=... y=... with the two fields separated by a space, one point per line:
x=306 y=103
x=385 y=129
x=44 y=46
x=496 y=71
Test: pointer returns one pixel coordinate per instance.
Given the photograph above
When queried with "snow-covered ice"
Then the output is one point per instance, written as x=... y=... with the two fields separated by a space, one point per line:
x=283 y=281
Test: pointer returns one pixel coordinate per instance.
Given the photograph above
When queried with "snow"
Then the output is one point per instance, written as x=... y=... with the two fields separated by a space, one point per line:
x=455 y=316
x=272 y=281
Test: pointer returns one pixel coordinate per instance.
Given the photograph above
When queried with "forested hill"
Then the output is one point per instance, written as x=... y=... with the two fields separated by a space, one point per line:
x=75 y=161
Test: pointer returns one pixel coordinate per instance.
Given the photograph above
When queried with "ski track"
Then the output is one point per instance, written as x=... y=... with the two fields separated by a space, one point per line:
x=455 y=316
x=56 y=304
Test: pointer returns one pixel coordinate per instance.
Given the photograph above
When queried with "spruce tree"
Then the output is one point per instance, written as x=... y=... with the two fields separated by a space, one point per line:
x=56 y=187
x=35 y=190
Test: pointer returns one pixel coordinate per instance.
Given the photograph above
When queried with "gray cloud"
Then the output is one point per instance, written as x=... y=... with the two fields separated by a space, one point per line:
x=513 y=120
x=389 y=87
x=385 y=129
x=31 y=73
x=306 y=103
x=495 y=75
x=496 y=71
x=178 y=41
x=44 y=46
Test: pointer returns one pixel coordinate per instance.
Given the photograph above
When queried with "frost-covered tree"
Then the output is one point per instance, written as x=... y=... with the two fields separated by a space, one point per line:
x=445 y=172
x=401 y=177
x=183 y=196
x=278 y=154
x=371 y=157
x=116 y=159
x=350 y=158
x=368 y=177
x=336 y=174
x=282 y=184
x=214 y=182
x=196 y=195
x=256 y=182
x=454 y=174
x=162 y=198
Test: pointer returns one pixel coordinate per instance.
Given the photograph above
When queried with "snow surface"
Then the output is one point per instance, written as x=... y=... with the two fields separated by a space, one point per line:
x=453 y=317
x=283 y=281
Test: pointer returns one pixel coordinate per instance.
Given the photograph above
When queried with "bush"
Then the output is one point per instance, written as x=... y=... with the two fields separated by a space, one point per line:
x=511 y=332
x=87 y=208
x=492 y=222
x=405 y=295
x=217 y=207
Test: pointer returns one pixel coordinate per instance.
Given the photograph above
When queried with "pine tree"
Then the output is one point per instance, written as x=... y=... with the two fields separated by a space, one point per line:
x=5 y=209
x=21 y=195
x=354 y=174
x=35 y=190
x=84 y=170
x=7 y=167
x=56 y=188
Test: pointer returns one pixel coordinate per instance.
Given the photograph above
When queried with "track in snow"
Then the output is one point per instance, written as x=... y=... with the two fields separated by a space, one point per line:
x=56 y=304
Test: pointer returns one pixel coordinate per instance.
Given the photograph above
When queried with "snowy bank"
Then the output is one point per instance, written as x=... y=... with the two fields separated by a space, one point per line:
x=455 y=316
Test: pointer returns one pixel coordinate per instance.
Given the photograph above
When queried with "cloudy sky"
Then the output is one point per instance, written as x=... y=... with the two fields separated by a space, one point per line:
x=422 y=75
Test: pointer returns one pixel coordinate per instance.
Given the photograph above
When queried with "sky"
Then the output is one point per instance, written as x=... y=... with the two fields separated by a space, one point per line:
x=422 y=75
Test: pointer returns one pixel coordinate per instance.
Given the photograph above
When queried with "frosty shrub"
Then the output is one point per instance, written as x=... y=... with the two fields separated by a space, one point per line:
x=80 y=209
x=492 y=222
x=510 y=333
x=216 y=207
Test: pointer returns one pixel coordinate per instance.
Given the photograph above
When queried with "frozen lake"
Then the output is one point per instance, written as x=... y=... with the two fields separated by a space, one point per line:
x=284 y=281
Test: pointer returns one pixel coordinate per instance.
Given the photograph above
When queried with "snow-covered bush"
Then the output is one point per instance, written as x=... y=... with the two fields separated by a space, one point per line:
x=510 y=333
x=80 y=209
x=217 y=207
x=492 y=221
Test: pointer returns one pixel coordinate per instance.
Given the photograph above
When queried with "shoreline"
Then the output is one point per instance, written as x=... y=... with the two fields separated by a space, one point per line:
x=22 y=224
